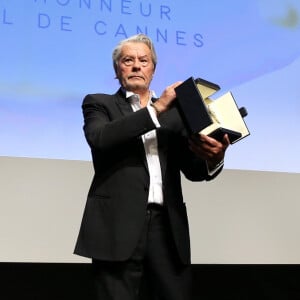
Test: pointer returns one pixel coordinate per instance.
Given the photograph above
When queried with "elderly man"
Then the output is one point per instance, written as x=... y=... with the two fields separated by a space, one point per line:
x=135 y=219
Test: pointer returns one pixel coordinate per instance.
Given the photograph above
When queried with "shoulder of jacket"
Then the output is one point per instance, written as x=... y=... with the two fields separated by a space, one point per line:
x=98 y=98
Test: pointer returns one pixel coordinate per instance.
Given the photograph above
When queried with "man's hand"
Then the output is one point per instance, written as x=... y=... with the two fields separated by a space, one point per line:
x=166 y=98
x=209 y=149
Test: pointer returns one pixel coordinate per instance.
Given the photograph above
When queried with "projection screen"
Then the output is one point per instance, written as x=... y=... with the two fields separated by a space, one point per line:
x=54 y=52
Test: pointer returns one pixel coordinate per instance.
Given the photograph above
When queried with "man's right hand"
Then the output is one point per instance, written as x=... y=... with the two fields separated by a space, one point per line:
x=167 y=97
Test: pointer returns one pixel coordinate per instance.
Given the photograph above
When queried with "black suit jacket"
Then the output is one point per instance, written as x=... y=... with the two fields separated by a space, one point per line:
x=116 y=205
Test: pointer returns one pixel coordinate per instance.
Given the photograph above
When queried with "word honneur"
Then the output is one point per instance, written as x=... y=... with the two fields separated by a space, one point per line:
x=125 y=7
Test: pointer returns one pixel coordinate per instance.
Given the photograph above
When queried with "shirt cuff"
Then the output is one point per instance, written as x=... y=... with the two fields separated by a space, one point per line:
x=212 y=171
x=153 y=116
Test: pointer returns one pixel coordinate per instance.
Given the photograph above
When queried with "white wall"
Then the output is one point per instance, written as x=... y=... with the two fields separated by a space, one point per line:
x=240 y=217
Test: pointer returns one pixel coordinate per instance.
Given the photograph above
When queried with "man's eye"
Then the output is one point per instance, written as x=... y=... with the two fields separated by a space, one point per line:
x=127 y=61
x=144 y=61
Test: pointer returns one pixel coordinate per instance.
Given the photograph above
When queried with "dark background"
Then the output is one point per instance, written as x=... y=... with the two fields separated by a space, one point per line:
x=35 y=281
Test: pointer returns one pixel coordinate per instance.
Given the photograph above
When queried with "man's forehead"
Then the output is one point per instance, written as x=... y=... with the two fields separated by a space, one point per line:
x=139 y=49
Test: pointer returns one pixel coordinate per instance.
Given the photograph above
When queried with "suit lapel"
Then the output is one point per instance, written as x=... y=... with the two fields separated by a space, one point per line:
x=125 y=109
x=124 y=105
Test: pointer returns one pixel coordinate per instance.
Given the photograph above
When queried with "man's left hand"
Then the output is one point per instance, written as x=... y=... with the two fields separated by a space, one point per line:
x=208 y=148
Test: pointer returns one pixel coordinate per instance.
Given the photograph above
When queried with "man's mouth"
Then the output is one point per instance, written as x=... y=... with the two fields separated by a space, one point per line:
x=135 y=77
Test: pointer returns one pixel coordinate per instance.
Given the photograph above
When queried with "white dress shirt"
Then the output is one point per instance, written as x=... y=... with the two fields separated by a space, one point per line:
x=151 y=150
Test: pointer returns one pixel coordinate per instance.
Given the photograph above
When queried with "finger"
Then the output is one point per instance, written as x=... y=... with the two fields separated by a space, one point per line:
x=226 y=140
x=209 y=140
x=175 y=84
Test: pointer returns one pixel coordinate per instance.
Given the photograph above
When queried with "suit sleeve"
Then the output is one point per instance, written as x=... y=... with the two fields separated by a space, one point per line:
x=105 y=126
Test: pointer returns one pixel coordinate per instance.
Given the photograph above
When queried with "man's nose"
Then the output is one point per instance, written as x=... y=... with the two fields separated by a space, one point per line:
x=136 y=64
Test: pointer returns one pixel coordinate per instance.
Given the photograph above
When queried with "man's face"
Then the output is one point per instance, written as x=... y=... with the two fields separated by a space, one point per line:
x=135 y=67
